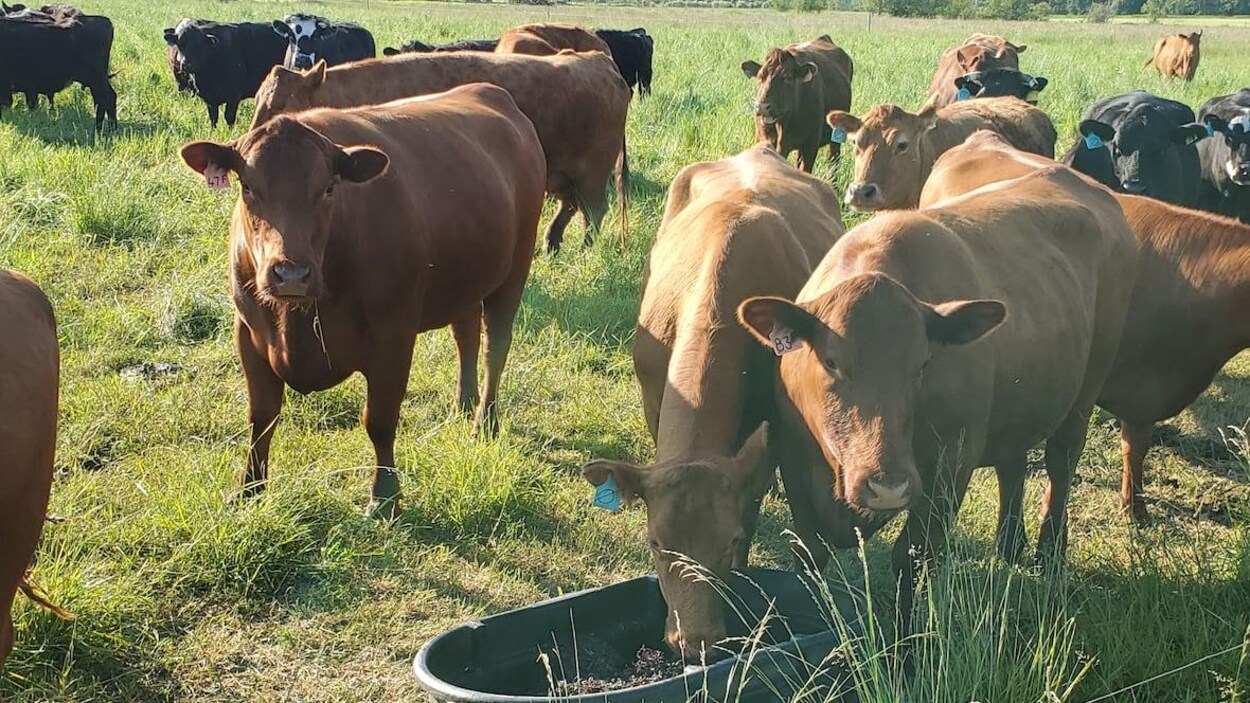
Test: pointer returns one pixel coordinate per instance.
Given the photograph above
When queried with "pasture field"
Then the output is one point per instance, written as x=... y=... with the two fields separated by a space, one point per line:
x=300 y=597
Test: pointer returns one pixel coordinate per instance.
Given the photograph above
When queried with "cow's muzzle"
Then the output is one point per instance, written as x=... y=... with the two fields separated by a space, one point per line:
x=1239 y=173
x=303 y=62
x=864 y=196
x=288 y=279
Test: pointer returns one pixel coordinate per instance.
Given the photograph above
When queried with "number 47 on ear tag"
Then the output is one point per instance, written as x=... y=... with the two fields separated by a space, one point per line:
x=784 y=340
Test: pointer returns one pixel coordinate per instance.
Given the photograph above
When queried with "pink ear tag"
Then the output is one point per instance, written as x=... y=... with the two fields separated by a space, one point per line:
x=216 y=177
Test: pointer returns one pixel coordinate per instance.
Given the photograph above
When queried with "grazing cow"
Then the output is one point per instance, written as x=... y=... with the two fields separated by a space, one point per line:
x=979 y=52
x=1225 y=160
x=1176 y=55
x=1192 y=272
x=1000 y=83
x=578 y=103
x=798 y=86
x=42 y=53
x=30 y=373
x=895 y=149
x=547 y=39
x=931 y=342
x=746 y=225
x=179 y=70
x=632 y=51
x=311 y=39
x=226 y=62
x=355 y=230
x=1141 y=144
x=419 y=47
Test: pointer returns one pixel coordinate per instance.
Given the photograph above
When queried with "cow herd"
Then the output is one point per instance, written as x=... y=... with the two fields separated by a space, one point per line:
x=996 y=297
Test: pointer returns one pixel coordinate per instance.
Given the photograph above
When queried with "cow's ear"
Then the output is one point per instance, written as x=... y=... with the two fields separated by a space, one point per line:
x=969 y=83
x=317 y=74
x=750 y=69
x=1038 y=83
x=281 y=29
x=967 y=57
x=630 y=480
x=1215 y=123
x=928 y=114
x=1019 y=48
x=753 y=467
x=844 y=120
x=361 y=164
x=1102 y=130
x=963 y=321
x=203 y=155
x=809 y=72
x=390 y=51
x=777 y=323
x=171 y=38
x=1189 y=133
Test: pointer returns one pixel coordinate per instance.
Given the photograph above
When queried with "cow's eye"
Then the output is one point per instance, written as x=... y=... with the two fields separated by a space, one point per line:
x=327 y=192
x=901 y=146
x=245 y=188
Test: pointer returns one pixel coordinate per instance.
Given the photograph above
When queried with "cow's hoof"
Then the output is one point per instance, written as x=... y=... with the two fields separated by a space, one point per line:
x=384 y=509
x=246 y=493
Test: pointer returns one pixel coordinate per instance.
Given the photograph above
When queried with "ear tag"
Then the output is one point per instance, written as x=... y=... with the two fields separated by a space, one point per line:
x=784 y=340
x=839 y=136
x=608 y=496
x=1210 y=131
x=1093 y=141
x=216 y=177
x=963 y=94
x=1032 y=96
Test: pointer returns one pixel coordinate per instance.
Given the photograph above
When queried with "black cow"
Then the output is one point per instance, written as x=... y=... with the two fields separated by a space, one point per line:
x=1000 y=83
x=1141 y=144
x=417 y=46
x=44 y=51
x=311 y=39
x=226 y=62
x=1226 y=158
x=631 y=50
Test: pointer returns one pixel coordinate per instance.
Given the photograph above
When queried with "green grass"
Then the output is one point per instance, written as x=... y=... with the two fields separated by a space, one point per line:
x=298 y=596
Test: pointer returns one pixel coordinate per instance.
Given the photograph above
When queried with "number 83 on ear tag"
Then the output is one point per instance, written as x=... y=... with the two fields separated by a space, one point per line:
x=784 y=340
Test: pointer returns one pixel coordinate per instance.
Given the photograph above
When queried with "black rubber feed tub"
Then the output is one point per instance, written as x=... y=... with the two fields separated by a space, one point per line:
x=498 y=659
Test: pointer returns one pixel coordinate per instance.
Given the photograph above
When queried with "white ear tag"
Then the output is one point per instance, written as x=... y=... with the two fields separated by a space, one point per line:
x=216 y=177
x=784 y=340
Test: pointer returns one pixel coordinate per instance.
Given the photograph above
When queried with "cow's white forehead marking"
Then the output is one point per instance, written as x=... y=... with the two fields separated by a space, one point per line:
x=303 y=27
x=1243 y=119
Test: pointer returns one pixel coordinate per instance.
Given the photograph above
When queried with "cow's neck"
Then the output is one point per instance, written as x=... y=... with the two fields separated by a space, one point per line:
x=1217 y=268
x=704 y=395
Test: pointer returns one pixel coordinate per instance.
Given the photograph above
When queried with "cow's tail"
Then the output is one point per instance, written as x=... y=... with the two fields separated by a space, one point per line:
x=1148 y=62
x=37 y=595
x=622 y=190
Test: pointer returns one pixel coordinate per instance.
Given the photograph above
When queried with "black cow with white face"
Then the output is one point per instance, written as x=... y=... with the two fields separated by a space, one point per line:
x=311 y=39
x=1226 y=157
x=1141 y=144
x=225 y=62
x=1000 y=83
x=632 y=51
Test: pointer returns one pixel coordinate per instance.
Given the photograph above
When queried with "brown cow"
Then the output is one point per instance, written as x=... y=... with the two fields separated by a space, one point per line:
x=1194 y=269
x=742 y=226
x=1176 y=55
x=896 y=397
x=979 y=52
x=545 y=39
x=799 y=85
x=342 y=253
x=577 y=102
x=30 y=363
x=895 y=149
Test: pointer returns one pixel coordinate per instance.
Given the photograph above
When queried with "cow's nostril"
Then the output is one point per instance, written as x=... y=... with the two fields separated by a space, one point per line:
x=291 y=273
x=887 y=496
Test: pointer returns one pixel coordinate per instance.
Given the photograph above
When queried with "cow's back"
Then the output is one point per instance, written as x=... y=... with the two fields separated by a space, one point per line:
x=29 y=382
x=835 y=70
x=1023 y=125
x=549 y=38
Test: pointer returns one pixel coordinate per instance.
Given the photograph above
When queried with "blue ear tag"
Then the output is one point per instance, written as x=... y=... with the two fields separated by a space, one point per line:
x=963 y=94
x=1093 y=141
x=839 y=135
x=607 y=496
x=1210 y=131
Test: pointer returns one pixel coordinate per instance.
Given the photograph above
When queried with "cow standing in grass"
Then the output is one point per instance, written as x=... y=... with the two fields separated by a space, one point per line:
x=355 y=230
x=978 y=53
x=895 y=149
x=632 y=52
x=29 y=390
x=226 y=62
x=798 y=86
x=311 y=39
x=1225 y=159
x=1176 y=55
x=742 y=226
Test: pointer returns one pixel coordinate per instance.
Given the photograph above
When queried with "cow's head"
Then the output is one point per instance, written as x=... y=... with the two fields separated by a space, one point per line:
x=288 y=175
x=1092 y=155
x=1194 y=38
x=702 y=512
x=1001 y=82
x=284 y=90
x=892 y=159
x=855 y=374
x=196 y=46
x=1141 y=141
x=783 y=78
x=1236 y=134
x=301 y=32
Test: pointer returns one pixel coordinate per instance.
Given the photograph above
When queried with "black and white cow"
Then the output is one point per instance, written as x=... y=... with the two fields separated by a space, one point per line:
x=631 y=50
x=43 y=51
x=1141 y=144
x=311 y=39
x=225 y=62
x=1000 y=83
x=1226 y=157
x=416 y=46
